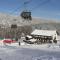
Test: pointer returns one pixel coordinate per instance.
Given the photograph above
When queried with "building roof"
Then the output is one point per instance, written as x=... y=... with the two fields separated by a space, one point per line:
x=29 y=36
x=44 y=32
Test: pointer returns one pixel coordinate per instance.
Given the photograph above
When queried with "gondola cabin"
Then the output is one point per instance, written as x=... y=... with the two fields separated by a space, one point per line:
x=26 y=15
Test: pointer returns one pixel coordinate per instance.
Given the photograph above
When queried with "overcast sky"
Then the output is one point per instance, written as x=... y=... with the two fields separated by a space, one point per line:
x=49 y=9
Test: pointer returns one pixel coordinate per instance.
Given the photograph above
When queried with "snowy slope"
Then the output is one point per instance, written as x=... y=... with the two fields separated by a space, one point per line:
x=14 y=53
x=29 y=51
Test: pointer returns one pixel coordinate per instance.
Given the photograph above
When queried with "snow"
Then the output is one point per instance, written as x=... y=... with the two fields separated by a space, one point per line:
x=29 y=36
x=23 y=43
x=32 y=40
x=19 y=53
x=45 y=58
x=44 y=32
x=29 y=51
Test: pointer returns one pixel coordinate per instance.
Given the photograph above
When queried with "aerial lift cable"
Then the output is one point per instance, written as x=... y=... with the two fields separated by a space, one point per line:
x=20 y=7
x=40 y=4
x=27 y=2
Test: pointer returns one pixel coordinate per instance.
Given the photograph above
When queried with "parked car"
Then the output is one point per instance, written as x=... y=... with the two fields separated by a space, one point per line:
x=9 y=41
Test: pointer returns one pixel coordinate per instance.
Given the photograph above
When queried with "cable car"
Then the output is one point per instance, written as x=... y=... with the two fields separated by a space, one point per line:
x=26 y=15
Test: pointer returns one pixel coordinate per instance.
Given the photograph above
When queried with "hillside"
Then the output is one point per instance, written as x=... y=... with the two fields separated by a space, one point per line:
x=7 y=20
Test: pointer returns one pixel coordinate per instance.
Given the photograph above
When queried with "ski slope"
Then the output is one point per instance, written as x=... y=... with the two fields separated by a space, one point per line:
x=29 y=52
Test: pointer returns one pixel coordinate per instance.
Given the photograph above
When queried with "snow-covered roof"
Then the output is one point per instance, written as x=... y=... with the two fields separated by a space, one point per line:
x=29 y=36
x=44 y=32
